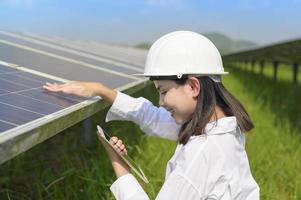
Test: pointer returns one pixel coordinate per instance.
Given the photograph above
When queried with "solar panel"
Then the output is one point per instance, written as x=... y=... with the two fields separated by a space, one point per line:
x=22 y=98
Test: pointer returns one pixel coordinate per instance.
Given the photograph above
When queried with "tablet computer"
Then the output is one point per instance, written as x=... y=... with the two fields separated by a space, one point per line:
x=124 y=158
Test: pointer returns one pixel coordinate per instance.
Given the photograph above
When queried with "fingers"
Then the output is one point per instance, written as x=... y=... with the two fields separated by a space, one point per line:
x=118 y=145
x=113 y=140
x=53 y=87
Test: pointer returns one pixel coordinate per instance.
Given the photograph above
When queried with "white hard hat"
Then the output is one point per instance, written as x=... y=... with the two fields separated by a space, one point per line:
x=181 y=53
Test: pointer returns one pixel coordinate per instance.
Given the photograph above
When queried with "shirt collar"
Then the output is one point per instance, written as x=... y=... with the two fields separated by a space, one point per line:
x=221 y=126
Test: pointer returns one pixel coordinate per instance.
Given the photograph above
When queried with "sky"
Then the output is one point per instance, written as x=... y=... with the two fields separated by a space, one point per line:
x=135 y=21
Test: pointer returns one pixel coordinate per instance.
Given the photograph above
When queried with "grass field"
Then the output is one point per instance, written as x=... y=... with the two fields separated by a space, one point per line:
x=69 y=166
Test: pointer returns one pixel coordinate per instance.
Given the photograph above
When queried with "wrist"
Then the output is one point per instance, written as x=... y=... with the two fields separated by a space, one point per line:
x=97 y=88
x=107 y=94
x=120 y=169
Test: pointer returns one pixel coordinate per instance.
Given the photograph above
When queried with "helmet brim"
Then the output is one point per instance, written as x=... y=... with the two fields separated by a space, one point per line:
x=150 y=75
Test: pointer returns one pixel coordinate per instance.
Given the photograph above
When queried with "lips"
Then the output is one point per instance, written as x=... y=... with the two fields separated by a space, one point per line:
x=169 y=110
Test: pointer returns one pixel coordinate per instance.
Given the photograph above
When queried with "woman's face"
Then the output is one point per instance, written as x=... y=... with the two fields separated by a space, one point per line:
x=179 y=100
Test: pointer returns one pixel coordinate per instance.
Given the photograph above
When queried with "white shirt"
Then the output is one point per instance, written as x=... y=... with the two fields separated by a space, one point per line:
x=211 y=166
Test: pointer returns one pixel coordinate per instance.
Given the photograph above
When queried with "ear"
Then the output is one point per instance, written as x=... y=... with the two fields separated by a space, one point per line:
x=194 y=86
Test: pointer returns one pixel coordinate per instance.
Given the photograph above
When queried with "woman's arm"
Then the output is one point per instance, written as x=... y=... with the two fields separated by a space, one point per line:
x=153 y=120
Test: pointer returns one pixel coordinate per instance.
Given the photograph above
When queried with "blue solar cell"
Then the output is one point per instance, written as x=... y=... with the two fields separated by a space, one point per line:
x=3 y=91
x=29 y=103
x=5 y=126
x=20 y=80
x=36 y=78
x=12 y=87
x=16 y=115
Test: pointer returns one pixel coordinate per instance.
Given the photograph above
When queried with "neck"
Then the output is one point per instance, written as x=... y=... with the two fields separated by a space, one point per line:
x=218 y=113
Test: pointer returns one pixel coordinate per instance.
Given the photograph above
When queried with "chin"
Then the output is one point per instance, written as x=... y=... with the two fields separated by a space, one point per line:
x=179 y=121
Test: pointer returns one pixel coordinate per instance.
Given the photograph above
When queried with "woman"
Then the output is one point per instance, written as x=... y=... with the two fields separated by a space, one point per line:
x=196 y=110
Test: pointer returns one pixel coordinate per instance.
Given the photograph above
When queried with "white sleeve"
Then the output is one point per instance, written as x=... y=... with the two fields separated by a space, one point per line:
x=153 y=120
x=127 y=187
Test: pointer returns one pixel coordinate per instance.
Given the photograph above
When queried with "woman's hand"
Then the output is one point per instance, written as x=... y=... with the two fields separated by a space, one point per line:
x=118 y=145
x=119 y=166
x=83 y=89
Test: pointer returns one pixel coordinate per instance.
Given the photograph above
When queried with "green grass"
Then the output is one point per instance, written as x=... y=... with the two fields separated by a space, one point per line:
x=274 y=146
x=68 y=166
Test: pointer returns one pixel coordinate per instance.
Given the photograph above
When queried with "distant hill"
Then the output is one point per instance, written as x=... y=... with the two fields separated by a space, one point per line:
x=224 y=43
x=227 y=45
x=143 y=45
